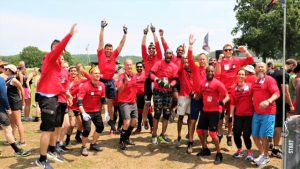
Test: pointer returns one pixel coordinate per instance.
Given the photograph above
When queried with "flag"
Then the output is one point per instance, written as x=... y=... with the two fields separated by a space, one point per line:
x=205 y=43
x=272 y=5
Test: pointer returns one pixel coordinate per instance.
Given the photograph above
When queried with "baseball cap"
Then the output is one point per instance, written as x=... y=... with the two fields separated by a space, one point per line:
x=11 y=67
x=249 y=68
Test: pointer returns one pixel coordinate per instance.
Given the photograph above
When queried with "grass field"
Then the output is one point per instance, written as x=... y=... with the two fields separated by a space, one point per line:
x=143 y=155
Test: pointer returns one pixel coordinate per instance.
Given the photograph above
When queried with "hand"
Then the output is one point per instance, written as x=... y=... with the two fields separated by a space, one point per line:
x=292 y=109
x=146 y=30
x=152 y=28
x=184 y=47
x=242 y=49
x=221 y=103
x=106 y=116
x=8 y=111
x=264 y=104
x=197 y=96
x=125 y=29
x=70 y=101
x=85 y=116
x=73 y=29
x=161 y=32
x=167 y=85
x=191 y=39
x=160 y=82
x=103 y=23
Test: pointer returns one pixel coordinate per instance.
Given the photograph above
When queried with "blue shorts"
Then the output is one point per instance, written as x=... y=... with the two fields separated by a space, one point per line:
x=110 y=88
x=263 y=125
x=196 y=108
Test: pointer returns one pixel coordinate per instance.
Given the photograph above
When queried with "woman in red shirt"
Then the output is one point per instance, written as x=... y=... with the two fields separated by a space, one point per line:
x=241 y=109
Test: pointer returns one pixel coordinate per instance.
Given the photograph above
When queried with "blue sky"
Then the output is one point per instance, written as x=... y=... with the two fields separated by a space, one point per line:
x=37 y=23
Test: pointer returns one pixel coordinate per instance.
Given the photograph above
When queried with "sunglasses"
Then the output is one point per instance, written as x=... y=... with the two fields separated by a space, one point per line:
x=227 y=50
x=139 y=67
x=151 y=48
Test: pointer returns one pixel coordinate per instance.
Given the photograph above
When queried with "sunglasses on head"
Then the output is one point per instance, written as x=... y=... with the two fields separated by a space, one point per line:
x=227 y=50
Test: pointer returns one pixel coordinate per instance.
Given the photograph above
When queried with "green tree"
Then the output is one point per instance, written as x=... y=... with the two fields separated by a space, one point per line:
x=68 y=57
x=262 y=30
x=32 y=56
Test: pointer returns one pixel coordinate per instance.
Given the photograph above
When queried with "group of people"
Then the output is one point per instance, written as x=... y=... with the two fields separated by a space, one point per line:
x=237 y=89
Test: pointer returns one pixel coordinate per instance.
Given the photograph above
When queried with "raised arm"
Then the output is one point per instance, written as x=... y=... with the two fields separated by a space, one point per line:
x=144 y=49
x=157 y=45
x=163 y=41
x=101 y=36
x=190 y=53
x=120 y=47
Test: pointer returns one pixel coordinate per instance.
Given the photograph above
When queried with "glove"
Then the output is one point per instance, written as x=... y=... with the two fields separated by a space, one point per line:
x=106 y=117
x=152 y=28
x=86 y=117
x=146 y=30
x=160 y=82
x=221 y=103
x=167 y=85
x=103 y=23
x=125 y=29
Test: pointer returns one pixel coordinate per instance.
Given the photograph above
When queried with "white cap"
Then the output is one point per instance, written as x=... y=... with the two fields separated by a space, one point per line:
x=11 y=67
x=249 y=68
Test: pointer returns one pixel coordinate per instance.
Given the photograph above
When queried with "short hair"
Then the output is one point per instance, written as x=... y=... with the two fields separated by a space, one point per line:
x=151 y=44
x=108 y=45
x=270 y=64
x=291 y=62
x=226 y=45
x=297 y=68
x=140 y=62
x=54 y=43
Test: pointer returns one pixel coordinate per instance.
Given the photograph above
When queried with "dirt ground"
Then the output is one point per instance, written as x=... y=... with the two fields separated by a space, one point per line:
x=143 y=155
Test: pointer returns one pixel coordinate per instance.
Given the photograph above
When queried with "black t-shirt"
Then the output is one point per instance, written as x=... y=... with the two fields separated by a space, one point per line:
x=278 y=76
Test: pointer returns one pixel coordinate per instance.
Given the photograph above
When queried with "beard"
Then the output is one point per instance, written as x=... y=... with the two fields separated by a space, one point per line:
x=260 y=75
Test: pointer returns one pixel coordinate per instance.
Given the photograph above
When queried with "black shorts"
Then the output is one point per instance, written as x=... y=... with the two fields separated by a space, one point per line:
x=60 y=114
x=97 y=120
x=148 y=89
x=36 y=97
x=140 y=101
x=4 y=119
x=279 y=113
x=110 y=88
x=15 y=106
x=48 y=107
x=209 y=121
x=128 y=111
x=196 y=108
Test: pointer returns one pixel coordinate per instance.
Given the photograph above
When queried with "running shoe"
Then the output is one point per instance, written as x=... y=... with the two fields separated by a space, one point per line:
x=154 y=140
x=22 y=153
x=164 y=139
x=249 y=156
x=84 y=151
x=263 y=161
x=55 y=156
x=238 y=154
x=43 y=164
x=219 y=158
x=276 y=153
x=122 y=146
x=204 y=152
x=190 y=147
x=96 y=147
x=179 y=142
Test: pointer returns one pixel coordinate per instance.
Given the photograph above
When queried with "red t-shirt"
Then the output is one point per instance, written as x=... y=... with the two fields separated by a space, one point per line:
x=250 y=78
x=107 y=65
x=164 y=71
x=150 y=61
x=229 y=69
x=128 y=95
x=74 y=87
x=263 y=90
x=198 y=73
x=140 y=82
x=186 y=81
x=212 y=92
x=64 y=80
x=50 y=82
x=91 y=96
x=241 y=98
